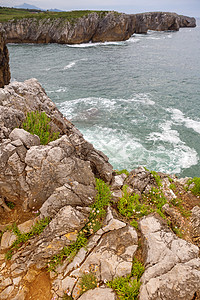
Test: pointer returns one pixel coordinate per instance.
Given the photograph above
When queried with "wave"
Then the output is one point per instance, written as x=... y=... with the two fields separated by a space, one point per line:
x=126 y=151
x=70 y=65
x=90 y=44
x=180 y=119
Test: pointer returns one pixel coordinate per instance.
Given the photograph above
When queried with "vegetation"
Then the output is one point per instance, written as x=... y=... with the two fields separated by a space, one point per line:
x=22 y=238
x=196 y=188
x=88 y=282
x=124 y=171
x=97 y=213
x=157 y=178
x=178 y=203
x=10 y=204
x=130 y=206
x=38 y=123
x=16 y=14
x=127 y=288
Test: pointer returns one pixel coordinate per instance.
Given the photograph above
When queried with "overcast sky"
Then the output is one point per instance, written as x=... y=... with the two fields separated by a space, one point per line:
x=186 y=7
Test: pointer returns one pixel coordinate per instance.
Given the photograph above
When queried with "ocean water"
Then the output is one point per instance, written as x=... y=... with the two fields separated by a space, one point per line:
x=137 y=100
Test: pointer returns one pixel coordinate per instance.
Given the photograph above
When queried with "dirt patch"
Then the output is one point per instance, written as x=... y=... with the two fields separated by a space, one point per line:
x=16 y=215
x=40 y=288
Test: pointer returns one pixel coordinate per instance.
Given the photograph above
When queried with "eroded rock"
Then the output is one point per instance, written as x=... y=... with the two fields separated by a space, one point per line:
x=172 y=264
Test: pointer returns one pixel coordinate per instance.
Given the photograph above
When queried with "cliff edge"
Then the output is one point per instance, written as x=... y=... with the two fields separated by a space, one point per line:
x=94 y=27
x=4 y=61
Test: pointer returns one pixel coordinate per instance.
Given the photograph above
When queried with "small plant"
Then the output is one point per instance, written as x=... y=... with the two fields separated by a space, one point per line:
x=178 y=203
x=38 y=123
x=157 y=178
x=172 y=186
x=196 y=188
x=10 y=204
x=137 y=269
x=130 y=206
x=134 y=223
x=156 y=197
x=124 y=171
x=24 y=237
x=177 y=231
x=67 y=252
x=127 y=288
x=88 y=282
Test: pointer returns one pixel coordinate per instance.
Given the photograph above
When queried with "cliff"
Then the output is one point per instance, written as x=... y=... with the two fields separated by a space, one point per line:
x=4 y=61
x=66 y=234
x=95 y=27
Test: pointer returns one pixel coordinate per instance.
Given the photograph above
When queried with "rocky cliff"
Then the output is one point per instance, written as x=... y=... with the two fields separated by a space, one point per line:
x=66 y=234
x=94 y=27
x=4 y=61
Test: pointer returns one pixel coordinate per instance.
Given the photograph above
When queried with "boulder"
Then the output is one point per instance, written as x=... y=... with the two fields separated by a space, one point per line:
x=172 y=264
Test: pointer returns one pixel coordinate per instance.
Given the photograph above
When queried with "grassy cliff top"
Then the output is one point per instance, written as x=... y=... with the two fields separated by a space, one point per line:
x=7 y=14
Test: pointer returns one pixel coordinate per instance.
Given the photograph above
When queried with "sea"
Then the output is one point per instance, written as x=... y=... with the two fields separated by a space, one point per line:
x=138 y=100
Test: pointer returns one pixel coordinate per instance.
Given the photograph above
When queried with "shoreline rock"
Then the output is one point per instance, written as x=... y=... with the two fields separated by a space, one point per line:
x=4 y=61
x=93 y=27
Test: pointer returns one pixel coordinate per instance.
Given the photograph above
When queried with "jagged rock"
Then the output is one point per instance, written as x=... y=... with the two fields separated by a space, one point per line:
x=64 y=168
x=195 y=220
x=4 y=61
x=140 y=181
x=114 y=27
x=99 y=294
x=118 y=181
x=109 y=254
x=96 y=27
x=7 y=239
x=172 y=264
x=60 y=232
x=25 y=137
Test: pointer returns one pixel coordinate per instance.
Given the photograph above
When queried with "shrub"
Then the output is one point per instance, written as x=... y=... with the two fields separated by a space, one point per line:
x=130 y=206
x=196 y=189
x=88 y=282
x=38 y=123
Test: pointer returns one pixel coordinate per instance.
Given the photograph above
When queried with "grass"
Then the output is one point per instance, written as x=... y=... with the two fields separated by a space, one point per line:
x=22 y=238
x=178 y=203
x=157 y=178
x=196 y=189
x=15 y=14
x=124 y=171
x=130 y=206
x=39 y=124
x=127 y=288
x=97 y=213
x=10 y=204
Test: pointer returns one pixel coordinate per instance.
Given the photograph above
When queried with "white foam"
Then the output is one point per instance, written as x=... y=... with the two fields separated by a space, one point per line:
x=70 y=65
x=180 y=119
x=90 y=44
x=126 y=151
x=167 y=134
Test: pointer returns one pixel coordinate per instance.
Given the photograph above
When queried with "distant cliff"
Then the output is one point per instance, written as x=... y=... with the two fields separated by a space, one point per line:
x=4 y=61
x=94 y=26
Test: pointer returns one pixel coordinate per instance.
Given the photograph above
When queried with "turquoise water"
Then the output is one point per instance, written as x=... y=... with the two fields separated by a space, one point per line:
x=137 y=101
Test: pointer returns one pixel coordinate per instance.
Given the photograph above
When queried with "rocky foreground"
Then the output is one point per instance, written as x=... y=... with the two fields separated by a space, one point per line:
x=65 y=234
x=94 y=27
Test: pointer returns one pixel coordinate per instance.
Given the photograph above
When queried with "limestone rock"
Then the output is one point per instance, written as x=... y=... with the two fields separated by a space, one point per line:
x=99 y=294
x=25 y=137
x=172 y=264
x=30 y=173
x=96 y=27
x=4 y=61
x=140 y=180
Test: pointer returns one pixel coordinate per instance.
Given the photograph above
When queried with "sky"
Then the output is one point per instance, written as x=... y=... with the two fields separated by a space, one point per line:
x=185 y=7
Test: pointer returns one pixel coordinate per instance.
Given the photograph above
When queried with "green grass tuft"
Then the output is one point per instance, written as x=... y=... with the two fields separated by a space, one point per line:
x=38 y=123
